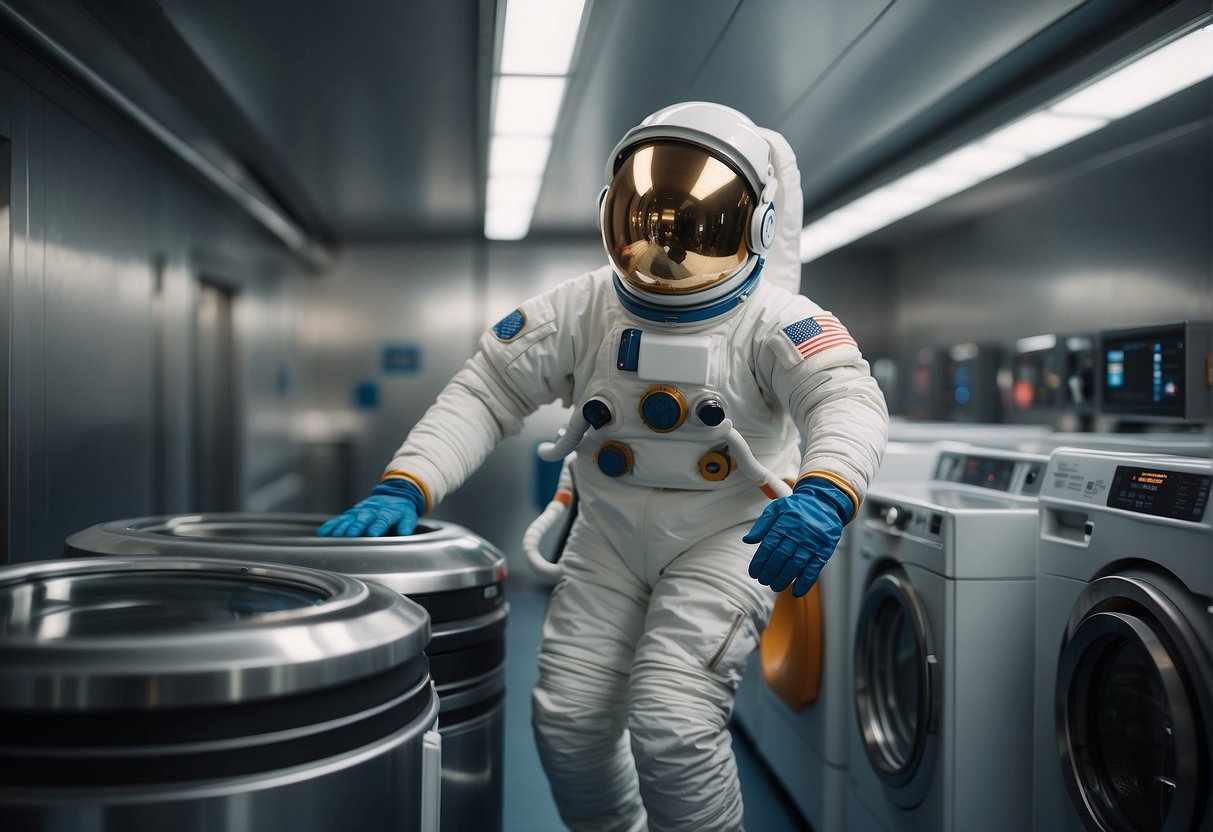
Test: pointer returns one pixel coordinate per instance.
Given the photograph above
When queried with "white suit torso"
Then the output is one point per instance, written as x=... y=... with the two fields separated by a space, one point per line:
x=565 y=344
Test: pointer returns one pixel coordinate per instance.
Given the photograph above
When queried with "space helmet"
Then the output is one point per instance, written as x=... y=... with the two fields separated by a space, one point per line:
x=688 y=209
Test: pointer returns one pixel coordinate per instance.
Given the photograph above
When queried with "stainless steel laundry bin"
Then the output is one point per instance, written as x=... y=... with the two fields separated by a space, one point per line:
x=454 y=574
x=207 y=695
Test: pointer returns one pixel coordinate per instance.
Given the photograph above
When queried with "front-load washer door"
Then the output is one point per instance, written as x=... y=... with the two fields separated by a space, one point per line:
x=897 y=686
x=1133 y=707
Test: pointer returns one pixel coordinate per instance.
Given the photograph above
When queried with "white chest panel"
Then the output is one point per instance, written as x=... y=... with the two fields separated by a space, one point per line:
x=655 y=383
x=674 y=359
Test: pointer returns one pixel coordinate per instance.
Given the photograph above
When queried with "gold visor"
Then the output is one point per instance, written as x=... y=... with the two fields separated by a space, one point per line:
x=676 y=218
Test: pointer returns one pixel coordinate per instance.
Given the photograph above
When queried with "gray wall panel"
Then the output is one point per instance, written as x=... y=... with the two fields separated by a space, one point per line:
x=378 y=295
x=96 y=212
x=96 y=336
x=1120 y=240
x=1124 y=244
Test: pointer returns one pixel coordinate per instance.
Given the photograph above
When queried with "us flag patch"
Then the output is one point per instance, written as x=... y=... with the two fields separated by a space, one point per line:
x=817 y=333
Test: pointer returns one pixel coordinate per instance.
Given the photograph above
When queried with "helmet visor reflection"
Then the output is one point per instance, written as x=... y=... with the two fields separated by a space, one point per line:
x=676 y=218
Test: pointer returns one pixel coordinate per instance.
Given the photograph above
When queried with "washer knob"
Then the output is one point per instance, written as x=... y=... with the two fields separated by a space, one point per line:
x=891 y=516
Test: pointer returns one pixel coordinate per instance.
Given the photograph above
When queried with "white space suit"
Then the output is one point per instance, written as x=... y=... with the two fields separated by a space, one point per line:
x=649 y=626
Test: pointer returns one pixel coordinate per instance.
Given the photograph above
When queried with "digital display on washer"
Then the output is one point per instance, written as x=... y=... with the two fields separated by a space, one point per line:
x=987 y=472
x=1144 y=372
x=1175 y=494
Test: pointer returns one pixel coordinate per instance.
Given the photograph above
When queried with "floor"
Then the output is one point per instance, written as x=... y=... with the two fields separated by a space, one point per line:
x=528 y=805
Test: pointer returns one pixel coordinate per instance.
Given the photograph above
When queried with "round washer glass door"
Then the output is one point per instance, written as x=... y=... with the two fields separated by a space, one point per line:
x=896 y=689
x=1133 y=743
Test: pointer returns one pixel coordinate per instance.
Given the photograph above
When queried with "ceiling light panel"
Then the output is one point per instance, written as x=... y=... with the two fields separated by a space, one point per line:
x=1041 y=132
x=518 y=155
x=506 y=224
x=527 y=106
x=540 y=36
x=1176 y=66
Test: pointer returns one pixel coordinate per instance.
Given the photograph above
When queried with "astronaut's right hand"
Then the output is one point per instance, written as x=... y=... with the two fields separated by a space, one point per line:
x=394 y=504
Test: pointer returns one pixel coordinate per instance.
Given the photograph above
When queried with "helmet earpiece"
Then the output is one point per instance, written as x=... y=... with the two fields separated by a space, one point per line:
x=762 y=228
x=762 y=223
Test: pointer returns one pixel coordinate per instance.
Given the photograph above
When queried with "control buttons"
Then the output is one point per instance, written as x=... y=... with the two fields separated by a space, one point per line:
x=662 y=408
x=614 y=459
x=710 y=412
x=891 y=516
x=716 y=465
x=597 y=412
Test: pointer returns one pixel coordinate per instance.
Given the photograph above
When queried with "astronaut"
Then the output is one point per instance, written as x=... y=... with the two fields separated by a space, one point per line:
x=692 y=367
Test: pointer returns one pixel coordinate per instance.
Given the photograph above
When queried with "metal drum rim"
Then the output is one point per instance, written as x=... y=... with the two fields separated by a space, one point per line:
x=467 y=559
x=361 y=630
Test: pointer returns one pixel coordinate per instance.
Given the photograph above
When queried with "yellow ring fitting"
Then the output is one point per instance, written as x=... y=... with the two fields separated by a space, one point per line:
x=658 y=415
x=613 y=458
x=715 y=466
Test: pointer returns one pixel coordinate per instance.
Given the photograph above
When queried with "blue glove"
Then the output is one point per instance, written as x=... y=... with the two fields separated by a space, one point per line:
x=798 y=534
x=393 y=503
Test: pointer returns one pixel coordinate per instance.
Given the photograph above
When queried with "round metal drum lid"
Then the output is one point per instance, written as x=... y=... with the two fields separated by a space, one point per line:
x=159 y=632
x=439 y=557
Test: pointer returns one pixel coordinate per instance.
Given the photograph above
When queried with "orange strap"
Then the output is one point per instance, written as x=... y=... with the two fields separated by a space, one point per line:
x=395 y=474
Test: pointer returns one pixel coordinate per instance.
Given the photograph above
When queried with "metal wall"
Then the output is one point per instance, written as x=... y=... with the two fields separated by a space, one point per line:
x=1120 y=238
x=108 y=242
x=1124 y=244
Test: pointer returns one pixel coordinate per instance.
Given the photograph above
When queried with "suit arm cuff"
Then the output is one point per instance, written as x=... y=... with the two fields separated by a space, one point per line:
x=395 y=474
x=837 y=481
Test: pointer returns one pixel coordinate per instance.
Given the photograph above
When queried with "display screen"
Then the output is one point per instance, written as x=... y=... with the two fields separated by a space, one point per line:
x=987 y=472
x=1080 y=371
x=1037 y=380
x=1144 y=372
x=1175 y=494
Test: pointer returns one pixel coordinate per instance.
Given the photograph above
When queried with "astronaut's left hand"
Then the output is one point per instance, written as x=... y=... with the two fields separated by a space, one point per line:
x=798 y=534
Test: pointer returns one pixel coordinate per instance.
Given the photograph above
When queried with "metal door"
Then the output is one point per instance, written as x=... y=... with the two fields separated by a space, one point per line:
x=1134 y=707
x=897 y=686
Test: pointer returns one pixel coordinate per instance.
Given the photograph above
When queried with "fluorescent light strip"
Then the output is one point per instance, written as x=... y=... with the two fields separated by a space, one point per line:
x=516 y=192
x=527 y=105
x=536 y=52
x=540 y=36
x=1145 y=81
x=518 y=155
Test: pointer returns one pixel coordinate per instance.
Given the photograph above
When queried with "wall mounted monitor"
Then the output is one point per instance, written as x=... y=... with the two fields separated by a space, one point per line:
x=1157 y=373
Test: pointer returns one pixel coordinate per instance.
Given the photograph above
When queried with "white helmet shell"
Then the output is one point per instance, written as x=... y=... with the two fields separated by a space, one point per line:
x=688 y=210
x=715 y=126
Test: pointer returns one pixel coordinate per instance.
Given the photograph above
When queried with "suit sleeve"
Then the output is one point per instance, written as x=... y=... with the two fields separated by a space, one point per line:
x=809 y=359
x=524 y=361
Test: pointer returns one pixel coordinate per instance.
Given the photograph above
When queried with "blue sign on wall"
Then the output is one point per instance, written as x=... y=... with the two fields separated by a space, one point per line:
x=366 y=395
x=402 y=358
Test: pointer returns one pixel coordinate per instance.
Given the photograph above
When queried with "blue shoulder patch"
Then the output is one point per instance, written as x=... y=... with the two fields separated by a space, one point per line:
x=511 y=326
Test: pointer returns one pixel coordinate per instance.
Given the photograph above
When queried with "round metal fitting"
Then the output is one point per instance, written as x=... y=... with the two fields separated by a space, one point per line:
x=663 y=408
x=716 y=466
x=614 y=459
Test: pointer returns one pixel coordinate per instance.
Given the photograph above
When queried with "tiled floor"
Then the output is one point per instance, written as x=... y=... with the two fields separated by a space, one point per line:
x=528 y=803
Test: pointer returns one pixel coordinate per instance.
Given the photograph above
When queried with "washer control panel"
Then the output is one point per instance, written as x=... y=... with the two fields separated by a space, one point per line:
x=1171 y=487
x=914 y=521
x=1020 y=474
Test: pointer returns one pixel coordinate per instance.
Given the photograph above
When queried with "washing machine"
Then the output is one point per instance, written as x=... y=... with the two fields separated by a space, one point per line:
x=939 y=730
x=1176 y=444
x=794 y=697
x=1124 y=643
